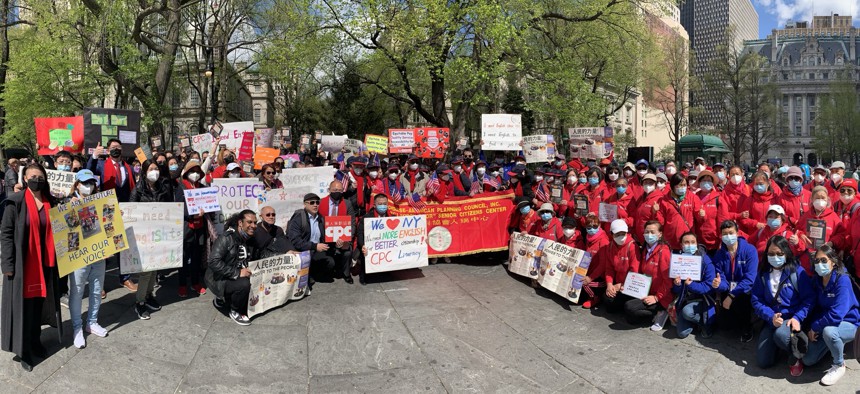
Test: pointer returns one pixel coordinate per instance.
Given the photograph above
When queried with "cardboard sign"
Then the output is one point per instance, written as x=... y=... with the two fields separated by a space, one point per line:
x=581 y=203
x=636 y=285
x=61 y=183
x=816 y=230
x=155 y=236
x=87 y=231
x=202 y=143
x=401 y=140
x=432 y=142
x=234 y=133
x=556 y=191
x=395 y=243
x=102 y=124
x=538 y=148
x=607 y=212
x=376 y=144
x=590 y=142
x=685 y=266
x=265 y=156
x=202 y=200
x=276 y=280
x=246 y=149
x=501 y=131
x=56 y=134
x=264 y=137
x=184 y=141
x=332 y=143
x=354 y=146
x=305 y=140
x=140 y=155
x=338 y=228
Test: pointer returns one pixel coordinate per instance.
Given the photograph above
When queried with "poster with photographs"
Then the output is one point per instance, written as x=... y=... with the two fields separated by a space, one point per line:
x=590 y=142
x=276 y=280
x=103 y=124
x=155 y=234
x=432 y=142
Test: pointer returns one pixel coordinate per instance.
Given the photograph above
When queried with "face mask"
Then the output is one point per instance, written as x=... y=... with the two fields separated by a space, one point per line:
x=499 y=161
x=691 y=182
x=671 y=171
x=373 y=174
x=593 y=181
x=521 y=163
x=592 y=231
x=760 y=189
x=558 y=163
x=446 y=178
x=35 y=184
x=651 y=239
x=152 y=176
x=64 y=167
x=458 y=168
x=514 y=179
x=736 y=179
x=198 y=161
x=173 y=167
x=568 y=232
x=546 y=216
x=661 y=185
x=482 y=171
x=85 y=190
x=233 y=175
x=115 y=153
x=136 y=169
x=494 y=174
x=538 y=178
x=690 y=249
x=774 y=223
x=707 y=186
x=648 y=188
x=628 y=173
x=583 y=180
x=229 y=159
x=621 y=189
x=730 y=239
x=525 y=210
x=700 y=167
x=776 y=261
x=336 y=195
x=619 y=239
x=358 y=171
x=680 y=191
x=193 y=177
x=819 y=204
x=571 y=180
x=392 y=176
x=160 y=163
x=818 y=178
x=822 y=269
x=550 y=179
x=467 y=159
x=413 y=166
x=721 y=175
x=794 y=185
x=846 y=199
x=382 y=208
x=613 y=177
x=836 y=178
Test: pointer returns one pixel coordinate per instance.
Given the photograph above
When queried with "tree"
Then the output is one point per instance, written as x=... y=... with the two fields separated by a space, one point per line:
x=728 y=72
x=759 y=94
x=837 y=120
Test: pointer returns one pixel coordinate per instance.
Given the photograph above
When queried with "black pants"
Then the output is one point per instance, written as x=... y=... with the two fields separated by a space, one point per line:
x=192 y=259
x=637 y=313
x=236 y=292
x=616 y=305
x=32 y=329
x=330 y=264
x=738 y=316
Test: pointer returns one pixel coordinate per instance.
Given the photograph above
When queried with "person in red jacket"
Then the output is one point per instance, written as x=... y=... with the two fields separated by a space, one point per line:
x=621 y=257
x=754 y=208
x=440 y=186
x=819 y=178
x=848 y=241
x=572 y=235
x=525 y=216
x=837 y=175
x=655 y=263
x=735 y=192
x=847 y=203
x=794 y=198
x=596 y=243
x=777 y=224
x=621 y=197
x=595 y=189
x=548 y=227
x=678 y=211
x=806 y=234
x=644 y=210
x=714 y=212
x=662 y=181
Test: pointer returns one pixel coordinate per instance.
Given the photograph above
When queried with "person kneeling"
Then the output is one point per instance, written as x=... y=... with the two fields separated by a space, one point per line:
x=655 y=263
x=228 y=275
x=695 y=297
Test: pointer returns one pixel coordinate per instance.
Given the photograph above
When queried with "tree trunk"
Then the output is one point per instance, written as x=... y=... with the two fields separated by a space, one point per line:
x=4 y=65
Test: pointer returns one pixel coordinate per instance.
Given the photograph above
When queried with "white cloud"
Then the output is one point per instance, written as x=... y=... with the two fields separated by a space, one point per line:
x=803 y=10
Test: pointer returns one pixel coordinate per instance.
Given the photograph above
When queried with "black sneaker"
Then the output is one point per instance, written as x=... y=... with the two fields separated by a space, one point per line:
x=218 y=303
x=142 y=311
x=152 y=304
x=240 y=319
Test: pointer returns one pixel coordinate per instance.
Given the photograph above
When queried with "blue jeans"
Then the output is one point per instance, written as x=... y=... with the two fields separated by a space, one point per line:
x=770 y=341
x=94 y=274
x=690 y=317
x=832 y=338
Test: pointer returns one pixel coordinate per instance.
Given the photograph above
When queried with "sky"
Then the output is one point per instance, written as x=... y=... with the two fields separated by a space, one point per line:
x=772 y=14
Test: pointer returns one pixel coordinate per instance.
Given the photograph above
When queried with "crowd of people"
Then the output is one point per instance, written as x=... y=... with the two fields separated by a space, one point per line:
x=775 y=246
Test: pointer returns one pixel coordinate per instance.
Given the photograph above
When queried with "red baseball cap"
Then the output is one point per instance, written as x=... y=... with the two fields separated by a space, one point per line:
x=849 y=182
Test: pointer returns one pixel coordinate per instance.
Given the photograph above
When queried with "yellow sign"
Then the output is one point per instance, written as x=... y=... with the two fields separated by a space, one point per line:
x=376 y=143
x=87 y=231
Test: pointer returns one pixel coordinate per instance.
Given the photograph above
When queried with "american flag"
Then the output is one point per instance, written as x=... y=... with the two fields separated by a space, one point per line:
x=476 y=187
x=395 y=193
x=492 y=181
x=433 y=185
x=541 y=193
x=414 y=201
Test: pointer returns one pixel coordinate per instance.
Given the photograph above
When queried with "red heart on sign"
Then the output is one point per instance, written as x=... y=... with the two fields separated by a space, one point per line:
x=392 y=223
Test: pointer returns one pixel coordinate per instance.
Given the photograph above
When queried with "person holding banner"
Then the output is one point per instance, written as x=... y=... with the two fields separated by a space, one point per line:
x=268 y=175
x=269 y=238
x=596 y=243
x=335 y=205
x=195 y=232
x=519 y=181
x=460 y=178
x=380 y=210
x=696 y=302
x=736 y=265
x=524 y=217
x=621 y=257
x=655 y=263
x=548 y=227
x=227 y=274
x=31 y=283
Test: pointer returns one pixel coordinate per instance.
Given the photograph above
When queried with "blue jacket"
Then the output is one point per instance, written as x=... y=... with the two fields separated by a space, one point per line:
x=746 y=267
x=699 y=287
x=792 y=303
x=834 y=303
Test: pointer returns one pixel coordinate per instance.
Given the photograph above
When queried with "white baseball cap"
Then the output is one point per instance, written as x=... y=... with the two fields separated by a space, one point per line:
x=618 y=226
x=776 y=208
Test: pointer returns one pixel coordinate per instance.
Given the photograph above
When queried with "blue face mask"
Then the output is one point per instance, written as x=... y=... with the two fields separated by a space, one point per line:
x=593 y=181
x=707 y=186
x=680 y=191
x=822 y=269
x=546 y=216
x=525 y=210
x=621 y=189
x=774 y=223
x=651 y=239
x=760 y=189
x=690 y=249
x=776 y=261
x=730 y=239
x=64 y=167
x=592 y=231
x=583 y=180
x=382 y=208
x=173 y=167
x=795 y=187
x=794 y=184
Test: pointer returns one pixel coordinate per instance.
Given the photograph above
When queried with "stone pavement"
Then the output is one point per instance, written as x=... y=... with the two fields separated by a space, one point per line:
x=463 y=327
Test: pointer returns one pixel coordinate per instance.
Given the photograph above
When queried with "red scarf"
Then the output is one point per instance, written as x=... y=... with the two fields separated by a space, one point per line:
x=518 y=189
x=325 y=207
x=195 y=222
x=412 y=175
x=110 y=176
x=359 y=187
x=34 y=276
x=458 y=182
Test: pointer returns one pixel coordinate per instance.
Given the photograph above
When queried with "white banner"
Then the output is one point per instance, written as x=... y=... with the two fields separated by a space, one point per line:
x=395 y=243
x=203 y=199
x=332 y=143
x=685 y=266
x=524 y=254
x=61 y=182
x=239 y=194
x=233 y=133
x=590 y=142
x=154 y=232
x=501 y=131
x=297 y=182
x=276 y=280
x=556 y=267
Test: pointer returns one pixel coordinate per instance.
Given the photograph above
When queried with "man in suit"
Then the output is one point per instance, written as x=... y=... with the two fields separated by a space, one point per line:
x=335 y=205
x=306 y=231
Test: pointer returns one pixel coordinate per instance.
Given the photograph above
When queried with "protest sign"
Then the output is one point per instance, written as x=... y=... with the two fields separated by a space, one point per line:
x=581 y=204
x=395 y=243
x=87 y=231
x=462 y=143
x=246 y=149
x=155 y=236
x=60 y=182
x=556 y=191
x=332 y=143
x=685 y=266
x=264 y=137
x=401 y=140
x=305 y=140
x=558 y=266
x=102 y=124
x=298 y=182
x=524 y=254
x=140 y=155
x=590 y=142
x=636 y=285
x=276 y=280
x=816 y=230
x=338 y=228
x=354 y=146
x=202 y=143
x=484 y=218
x=56 y=134
x=236 y=195
x=538 y=148
x=501 y=131
x=284 y=138
x=432 y=142
x=202 y=200
x=606 y=213
x=184 y=141
x=376 y=144
x=155 y=142
x=233 y=133
x=265 y=156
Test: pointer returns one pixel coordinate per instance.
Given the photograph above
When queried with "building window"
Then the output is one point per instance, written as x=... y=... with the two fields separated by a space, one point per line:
x=257 y=111
x=811 y=100
x=798 y=117
x=811 y=131
x=797 y=131
x=629 y=115
x=811 y=75
x=785 y=100
x=644 y=133
x=798 y=101
x=195 y=98
x=257 y=88
x=825 y=75
x=812 y=117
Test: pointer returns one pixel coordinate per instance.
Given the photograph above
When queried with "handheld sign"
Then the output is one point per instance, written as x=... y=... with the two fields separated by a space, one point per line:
x=637 y=285
x=395 y=243
x=685 y=266
x=202 y=200
x=276 y=280
x=338 y=228
x=607 y=212
x=501 y=131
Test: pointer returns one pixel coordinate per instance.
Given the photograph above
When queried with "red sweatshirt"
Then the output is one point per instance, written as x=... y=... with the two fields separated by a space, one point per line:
x=757 y=205
x=551 y=230
x=733 y=196
x=596 y=245
x=708 y=232
x=643 y=213
x=834 y=226
x=620 y=260
x=760 y=237
x=678 y=218
x=795 y=206
x=657 y=267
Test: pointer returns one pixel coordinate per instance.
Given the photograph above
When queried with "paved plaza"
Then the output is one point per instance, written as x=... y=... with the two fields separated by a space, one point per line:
x=463 y=327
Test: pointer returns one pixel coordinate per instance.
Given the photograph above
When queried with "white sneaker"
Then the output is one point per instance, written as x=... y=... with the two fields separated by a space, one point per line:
x=659 y=321
x=80 y=342
x=240 y=319
x=97 y=330
x=833 y=375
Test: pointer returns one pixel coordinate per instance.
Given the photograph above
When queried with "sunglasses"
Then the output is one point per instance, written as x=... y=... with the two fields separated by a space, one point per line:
x=822 y=260
x=270 y=173
x=776 y=254
x=592 y=227
x=846 y=191
x=314 y=202
x=269 y=215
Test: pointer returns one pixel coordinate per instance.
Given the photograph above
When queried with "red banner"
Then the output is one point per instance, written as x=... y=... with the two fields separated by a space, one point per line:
x=338 y=227
x=246 y=149
x=465 y=225
x=56 y=134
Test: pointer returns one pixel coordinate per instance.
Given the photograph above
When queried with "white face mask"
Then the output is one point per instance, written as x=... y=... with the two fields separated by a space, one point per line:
x=613 y=177
x=700 y=167
x=642 y=172
x=458 y=168
x=671 y=171
x=820 y=204
x=232 y=175
x=494 y=173
x=661 y=185
x=392 y=176
x=152 y=176
x=538 y=178
x=550 y=179
x=359 y=171
x=413 y=166
x=193 y=177
x=818 y=178
x=619 y=239
x=648 y=188
x=482 y=171
x=721 y=175
x=568 y=232
x=846 y=199
x=85 y=190
x=836 y=178
x=373 y=174
x=736 y=179
x=628 y=173
x=571 y=180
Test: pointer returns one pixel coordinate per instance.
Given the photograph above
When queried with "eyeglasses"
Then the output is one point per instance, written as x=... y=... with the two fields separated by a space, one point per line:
x=269 y=215
x=592 y=227
x=314 y=202
x=780 y=254
x=38 y=178
x=823 y=260
x=846 y=191
x=270 y=173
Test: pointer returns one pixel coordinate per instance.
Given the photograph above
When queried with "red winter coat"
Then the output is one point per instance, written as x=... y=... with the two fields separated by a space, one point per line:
x=757 y=205
x=597 y=246
x=760 y=237
x=848 y=240
x=619 y=260
x=834 y=226
x=733 y=197
x=795 y=206
x=525 y=223
x=657 y=267
x=643 y=213
x=575 y=241
x=551 y=230
x=708 y=232
x=625 y=207
x=678 y=218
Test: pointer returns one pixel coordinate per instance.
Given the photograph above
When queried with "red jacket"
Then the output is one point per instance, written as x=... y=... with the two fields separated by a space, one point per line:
x=844 y=211
x=551 y=230
x=733 y=196
x=809 y=186
x=757 y=205
x=657 y=267
x=526 y=223
x=625 y=207
x=834 y=226
x=620 y=260
x=678 y=218
x=708 y=232
x=848 y=240
x=596 y=245
x=759 y=239
x=644 y=212
x=833 y=190
x=576 y=241
x=795 y=206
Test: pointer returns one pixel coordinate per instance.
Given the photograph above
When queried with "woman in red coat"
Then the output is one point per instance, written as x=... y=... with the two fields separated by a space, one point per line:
x=548 y=226
x=708 y=232
x=572 y=235
x=794 y=198
x=753 y=209
x=571 y=188
x=655 y=263
x=734 y=193
x=777 y=224
x=622 y=198
x=596 y=243
x=821 y=210
x=644 y=210
x=678 y=212
x=621 y=257
x=595 y=189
